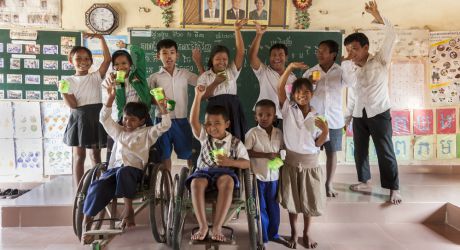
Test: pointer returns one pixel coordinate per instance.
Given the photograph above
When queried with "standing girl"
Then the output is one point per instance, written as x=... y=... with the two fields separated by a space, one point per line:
x=84 y=97
x=301 y=182
x=220 y=80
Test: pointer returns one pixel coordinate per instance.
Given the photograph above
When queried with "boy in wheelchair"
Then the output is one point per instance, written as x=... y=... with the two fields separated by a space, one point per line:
x=220 y=152
x=133 y=141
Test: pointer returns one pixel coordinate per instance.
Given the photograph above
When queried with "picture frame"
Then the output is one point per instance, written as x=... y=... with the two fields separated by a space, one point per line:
x=235 y=10
x=211 y=11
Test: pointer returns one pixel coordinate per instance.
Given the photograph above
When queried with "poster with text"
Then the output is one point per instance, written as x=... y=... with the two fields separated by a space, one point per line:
x=27 y=120
x=407 y=84
x=446 y=121
x=424 y=147
x=423 y=121
x=400 y=121
x=403 y=147
x=58 y=157
x=446 y=146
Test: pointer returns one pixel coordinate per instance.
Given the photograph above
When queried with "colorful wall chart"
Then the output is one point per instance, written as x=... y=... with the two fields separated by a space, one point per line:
x=58 y=157
x=423 y=122
x=29 y=157
x=27 y=120
x=55 y=116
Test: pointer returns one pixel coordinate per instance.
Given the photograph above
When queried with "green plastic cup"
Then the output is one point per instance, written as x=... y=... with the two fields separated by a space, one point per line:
x=64 y=86
x=275 y=163
x=158 y=93
x=223 y=73
x=217 y=152
x=120 y=77
x=170 y=105
x=322 y=117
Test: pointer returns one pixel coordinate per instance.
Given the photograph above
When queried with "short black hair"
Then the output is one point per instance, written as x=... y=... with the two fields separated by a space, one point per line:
x=299 y=83
x=332 y=45
x=165 y=44
x=266 y=103
x=217 y=49
x=137 y=109
x=255 y=1
x=75 y=49
x=278 y=46
x=217 y=110
x=359 y=37
x=119 y=53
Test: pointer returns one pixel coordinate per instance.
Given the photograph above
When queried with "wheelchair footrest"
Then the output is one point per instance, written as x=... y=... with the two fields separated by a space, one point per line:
x=104 y=232
x=227 y=231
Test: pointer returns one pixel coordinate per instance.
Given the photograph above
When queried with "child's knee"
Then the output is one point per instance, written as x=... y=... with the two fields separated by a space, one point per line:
x=198 y=184
x=225 y=182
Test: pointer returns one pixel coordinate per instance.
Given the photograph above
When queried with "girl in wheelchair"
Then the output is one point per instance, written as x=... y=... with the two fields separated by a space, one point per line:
x=133 y=140
x=220 y=152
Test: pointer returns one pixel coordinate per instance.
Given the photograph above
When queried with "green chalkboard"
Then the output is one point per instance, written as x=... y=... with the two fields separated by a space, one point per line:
x=29 y=71
x=301 y=46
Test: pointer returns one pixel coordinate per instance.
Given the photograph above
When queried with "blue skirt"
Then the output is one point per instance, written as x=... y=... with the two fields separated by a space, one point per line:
x=212 y=174
x=238 y=126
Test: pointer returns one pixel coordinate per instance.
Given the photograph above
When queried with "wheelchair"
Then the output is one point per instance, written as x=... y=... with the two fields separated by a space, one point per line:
x=154 y=191
x=244 y=198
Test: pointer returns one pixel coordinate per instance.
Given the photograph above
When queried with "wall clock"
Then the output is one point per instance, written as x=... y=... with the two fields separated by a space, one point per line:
x=101 y=18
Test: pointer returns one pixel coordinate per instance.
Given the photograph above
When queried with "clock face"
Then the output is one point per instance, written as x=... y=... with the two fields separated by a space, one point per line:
x=102 y=19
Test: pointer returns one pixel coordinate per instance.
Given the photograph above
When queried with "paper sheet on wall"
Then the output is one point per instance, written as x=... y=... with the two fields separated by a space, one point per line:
x=27 y=120
x=36 y=13
x=446 y=121
x=7 y=159
x=446 y=146
x=411 y=43
x=407 y=85
x=400 y=121
x=6 y=120
x=58 y=157
x=423 y=121
x=403 y=147
x=29 y=157
x=55 y=116
x=424 y=147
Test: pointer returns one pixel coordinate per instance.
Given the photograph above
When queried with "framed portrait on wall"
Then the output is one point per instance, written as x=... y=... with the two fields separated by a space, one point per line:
x=234 y=10
x=259 y=11
x=211 y=11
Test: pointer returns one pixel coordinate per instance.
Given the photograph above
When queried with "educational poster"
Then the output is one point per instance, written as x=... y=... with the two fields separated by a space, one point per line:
x=58 y=157
x=446 y=146
x=350 y=150
x=55 y=116
x=7 y=160
x=445 y=68
x=27 y=120
x=407 y=80
x=6 y=120
x=446 y=121
x=424 y=147
x=31 y=13
x=411 y=43
x=400 y=121
x=29 y=157
x=403 y=147
x=95 y=46
x=423 y=121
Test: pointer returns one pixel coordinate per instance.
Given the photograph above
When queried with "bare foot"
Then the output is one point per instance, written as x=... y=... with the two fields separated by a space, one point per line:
x=87 y=223
x=308 y=242
x=281 y=241
x=128 y=220
x=217 y=235
x=330 y=192
x=395 y=197
x=201 y=234
x=292 y=242
x=362 y=186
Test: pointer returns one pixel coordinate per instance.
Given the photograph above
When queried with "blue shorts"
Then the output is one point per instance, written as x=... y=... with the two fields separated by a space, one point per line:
x=179 y=135
x=335 y=140
x=212 y=174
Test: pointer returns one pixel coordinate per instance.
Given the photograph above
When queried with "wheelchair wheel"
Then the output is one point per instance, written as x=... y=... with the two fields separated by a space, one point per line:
x=172 y=205
x=179 y=209
x=255 y=233
x=258 y=218
x=160 y=196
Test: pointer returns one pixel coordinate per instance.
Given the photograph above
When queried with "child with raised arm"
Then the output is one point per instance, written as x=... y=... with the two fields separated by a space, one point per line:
x=84 y=97
x=133 y=140
x=220 y=81
x=264 y=143
x=269 y=75
x=301 y=183
x=221 y=152
x=175 y=81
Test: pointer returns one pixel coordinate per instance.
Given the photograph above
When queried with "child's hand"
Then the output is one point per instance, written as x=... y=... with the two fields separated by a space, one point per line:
x=196 y=55
x=260 y=30
x=224 y=161
x=92 y=35
x=162 y=106
x=371 y=8
x=200 y=90
x=272 y=155
x=298 y=65
x=220 y=78
x=111 y=88
x=240 y=23
x=120 y=44
x=322 y=125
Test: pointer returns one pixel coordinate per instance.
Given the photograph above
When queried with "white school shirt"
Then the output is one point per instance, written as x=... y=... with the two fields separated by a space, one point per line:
x=241 y=152
x=226 y=87
x=299 y=133
x=132 y=148
x=86 y=89
x=371 y=90
x=349 y=73
x=175 y=87
x=258 y=140
x=327 y=98
x=269 y=83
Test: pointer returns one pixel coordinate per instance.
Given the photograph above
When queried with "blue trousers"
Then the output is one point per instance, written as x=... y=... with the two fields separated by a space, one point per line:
x=115 y=182
x=269 y=209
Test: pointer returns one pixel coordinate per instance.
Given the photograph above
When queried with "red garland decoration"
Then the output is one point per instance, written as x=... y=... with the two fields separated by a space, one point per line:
x=163 y=3
x=302 y=4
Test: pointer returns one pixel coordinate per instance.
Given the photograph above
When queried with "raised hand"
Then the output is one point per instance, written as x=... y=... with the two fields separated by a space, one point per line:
x=260 y=29
x=196 y=55
x=92 y=35
x=120 y=44
x=298 y=65
x=371 y=7
x=200 y=90
x=240 y=23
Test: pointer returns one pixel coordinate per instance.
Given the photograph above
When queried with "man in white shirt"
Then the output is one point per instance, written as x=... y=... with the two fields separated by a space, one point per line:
x=371 y=107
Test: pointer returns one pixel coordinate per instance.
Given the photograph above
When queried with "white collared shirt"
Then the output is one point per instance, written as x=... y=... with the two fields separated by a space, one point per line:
x=132 y=148
x=371 y=90
x=175 y=87
x=226 y=87
x=269 y=83
x=258 y=140
x=241 y=152
x=349 y=73
x=87 y=89
x=327 y=98
x=300 y=133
